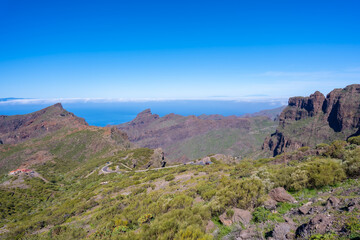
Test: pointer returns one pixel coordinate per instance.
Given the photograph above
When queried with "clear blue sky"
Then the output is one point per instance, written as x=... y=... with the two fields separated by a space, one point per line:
x=177 y=49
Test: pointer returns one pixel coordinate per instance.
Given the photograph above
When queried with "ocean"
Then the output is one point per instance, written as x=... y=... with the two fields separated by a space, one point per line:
x=111 y=113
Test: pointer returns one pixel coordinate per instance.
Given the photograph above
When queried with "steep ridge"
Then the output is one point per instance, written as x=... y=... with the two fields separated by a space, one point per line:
x=19 y=128
x=185 y=138
x=308 y=121
x=54 y=136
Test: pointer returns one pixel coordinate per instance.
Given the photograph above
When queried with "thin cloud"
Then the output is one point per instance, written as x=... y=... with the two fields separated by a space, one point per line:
x=123 y=100
x=354 y=69
x=296 y=74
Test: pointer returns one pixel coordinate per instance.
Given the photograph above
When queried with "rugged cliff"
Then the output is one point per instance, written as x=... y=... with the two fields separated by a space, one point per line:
x=308 y=121
x=185 y=138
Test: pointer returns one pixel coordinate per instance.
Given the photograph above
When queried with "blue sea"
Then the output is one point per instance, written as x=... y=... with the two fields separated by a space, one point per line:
x=111 y=113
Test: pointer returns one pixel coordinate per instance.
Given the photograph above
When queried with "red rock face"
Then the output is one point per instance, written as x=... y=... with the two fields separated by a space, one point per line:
x=302 y=107
x=18 y=128
x=339 y=112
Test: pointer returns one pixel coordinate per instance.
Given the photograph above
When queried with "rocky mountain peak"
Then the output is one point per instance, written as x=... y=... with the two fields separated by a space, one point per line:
x=339 y=113
x=146 y=112
x=18 y=128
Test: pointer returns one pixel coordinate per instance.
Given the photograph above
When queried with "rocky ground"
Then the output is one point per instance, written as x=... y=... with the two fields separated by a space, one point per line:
x=330 y=214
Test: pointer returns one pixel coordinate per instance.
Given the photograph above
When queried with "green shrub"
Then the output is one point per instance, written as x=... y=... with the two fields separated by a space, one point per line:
x=354 y=140
x=169 y=177
x=285 y=207
x=120 y=229
x=352 y=163
x=145 y=218
x=298 y=180
x=261 y=215
x=243 y=169
x=243 y=193
x=304 y=149
x=180 y=201
x=327 y=236
x=322 y=172
x=353 y=226
x=229 y=213
x=192 y=233
x=206 y=190
x=322 y=146
x=336 y=149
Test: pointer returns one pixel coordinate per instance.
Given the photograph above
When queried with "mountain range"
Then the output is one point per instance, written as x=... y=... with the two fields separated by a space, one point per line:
x=184 y=138
x=293 y=175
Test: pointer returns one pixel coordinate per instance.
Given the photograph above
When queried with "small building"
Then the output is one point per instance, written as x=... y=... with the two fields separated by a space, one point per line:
x=21 y=170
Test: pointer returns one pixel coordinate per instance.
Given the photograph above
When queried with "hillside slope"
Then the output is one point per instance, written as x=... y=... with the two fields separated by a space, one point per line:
x=186 y=138
x=55 y=137
x=19 y=128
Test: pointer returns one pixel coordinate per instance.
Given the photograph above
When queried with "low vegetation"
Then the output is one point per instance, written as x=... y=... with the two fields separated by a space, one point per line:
x=174 y=203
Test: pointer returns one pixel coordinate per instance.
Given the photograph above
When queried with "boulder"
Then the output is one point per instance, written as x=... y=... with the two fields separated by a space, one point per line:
x=332 y=202
x=240 y=216
x=281 y=195
x=224 y=219
x=305 y=209
x=319 y=224
x=352 y=204
x=281 y=231
x=270 y=204
x=248 y=234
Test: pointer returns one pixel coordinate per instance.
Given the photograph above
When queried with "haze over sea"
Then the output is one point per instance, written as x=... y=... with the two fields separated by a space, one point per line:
x=105 y=113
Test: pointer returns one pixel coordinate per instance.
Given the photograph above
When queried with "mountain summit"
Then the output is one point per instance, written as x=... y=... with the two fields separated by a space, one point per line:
x=18 y=128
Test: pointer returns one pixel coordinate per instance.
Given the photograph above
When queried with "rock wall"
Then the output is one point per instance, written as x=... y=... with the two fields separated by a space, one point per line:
x=315 y=119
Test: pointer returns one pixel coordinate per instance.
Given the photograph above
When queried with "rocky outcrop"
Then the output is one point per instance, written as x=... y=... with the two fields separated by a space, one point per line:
x=305 y=209
x=283 y=231
x=239 y=216
x=319 y=224
x=332 y=202
x=18 y=128
x=308 y=121
x=281 y=195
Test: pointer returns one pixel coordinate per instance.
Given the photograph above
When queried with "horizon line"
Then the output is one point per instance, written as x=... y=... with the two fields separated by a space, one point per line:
x=124 y=100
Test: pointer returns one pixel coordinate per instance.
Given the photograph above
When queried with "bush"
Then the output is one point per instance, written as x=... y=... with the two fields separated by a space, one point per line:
x=336 y=149
x=192 y=233
x=353 y=226
x=354 y=140
x=169 y=177
x=322 y=172
x=322 y=146
x=304 y=149
x=243 y=169
x=261 y=214
x=229 y=213
x=352 y=163
x=206 y=191
x=145 y=218
x=243 y=193
x=298 y=180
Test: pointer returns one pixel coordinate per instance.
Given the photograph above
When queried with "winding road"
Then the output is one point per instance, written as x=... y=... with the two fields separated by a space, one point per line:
x=106 y=169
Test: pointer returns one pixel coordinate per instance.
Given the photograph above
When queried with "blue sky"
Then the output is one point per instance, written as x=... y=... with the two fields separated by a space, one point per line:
x=177 y=49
